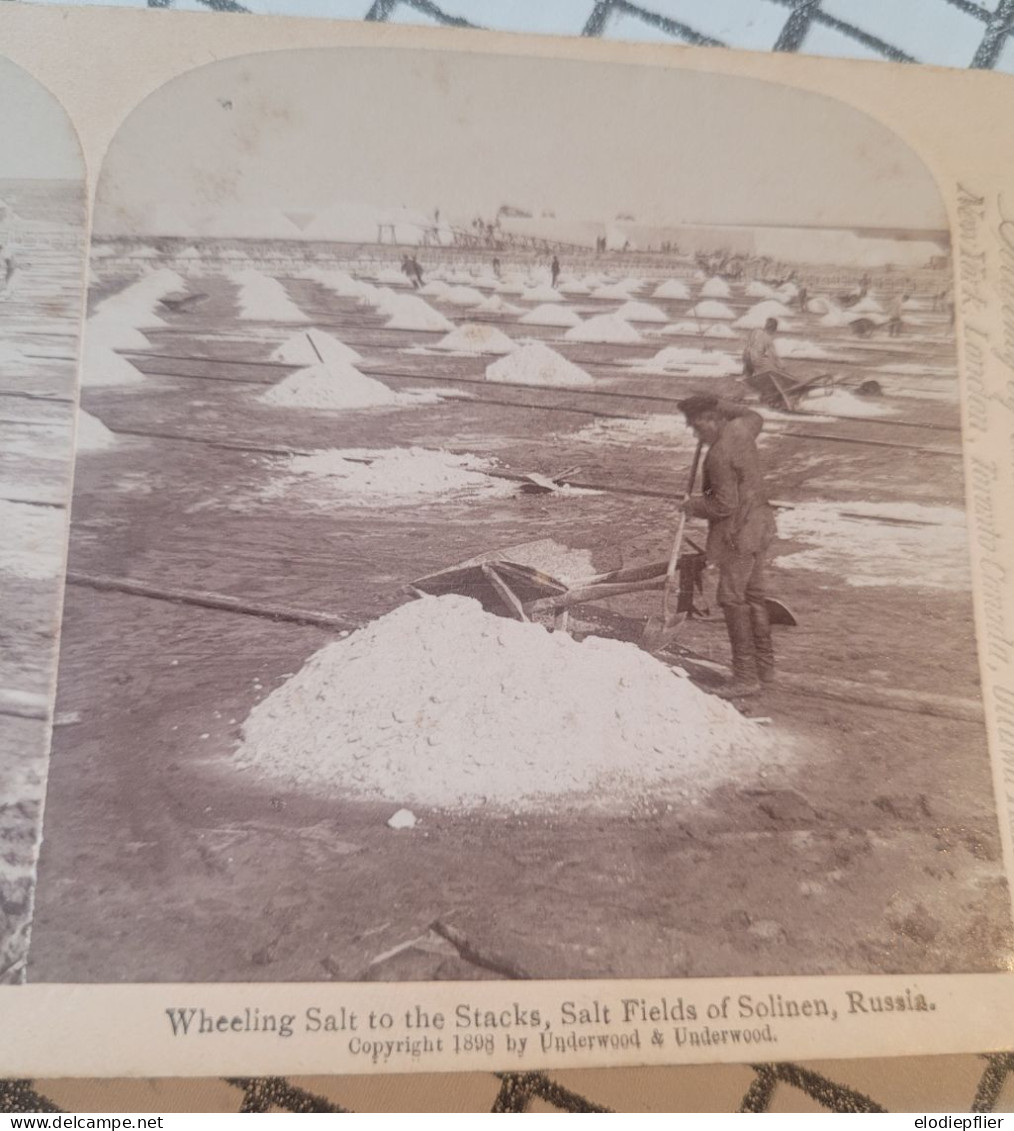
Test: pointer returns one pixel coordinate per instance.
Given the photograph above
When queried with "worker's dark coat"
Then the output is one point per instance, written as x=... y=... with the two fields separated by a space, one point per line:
x=734 y=501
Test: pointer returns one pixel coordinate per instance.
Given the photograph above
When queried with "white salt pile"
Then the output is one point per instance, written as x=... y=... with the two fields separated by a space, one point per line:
x=711 y=309
x=573 y=287
x=760 y=312
x=32 y=545
x=603 y=328
x=804 y=348
x=472 y=337
x=92 y=435
x=391 y=277
x=336 y=385
x=135 y=305
x=107 y=331
x=844 y=402
x=496 y=304
x=756 y=289
x=690 y=361
x=640 y=312
x=926 y=549
x=621 y=290
x=386 y=477
x=716 y=287
x=537 y=364
x=263 y=299
x=463 y=296
x=314 y=347
x=700 y=329
x=104 y=368
x=542 y=293
x=383 y=299
x=341 y=283
x=672 y=288
x=435 y=288
x=867 y=305
x=548 y=314
x=660 y=430
x=820 y=304
x=407 y=312
x=442 y=704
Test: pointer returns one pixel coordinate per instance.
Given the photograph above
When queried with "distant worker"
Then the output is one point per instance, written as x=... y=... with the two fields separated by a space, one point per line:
x=803 y=297
x=741 y=527
x=416 y=272
x=760 y=355
x=894 y=324
x=554 y=271
x=496 y=266
x=406 y=267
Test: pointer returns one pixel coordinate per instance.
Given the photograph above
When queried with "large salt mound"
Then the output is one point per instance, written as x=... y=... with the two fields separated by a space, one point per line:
x=671 y=288
x=692 y=362
x=603 y=328
x=758 y=314
x=473 y=338
x=867 y=305
x=715 y=287
x=536 y=364
x=640 y=312
x=337 y=385
x=262 y=299
x=442 y=704
x=312 y=348
x=103 y=367
x=462 y=296
x=406 y=312
x=573 y=287
x=394 y=475
x=549 y=314
x=711 y=309
x=435 y=288
x=496 y=304
x=92 y=435
x=542 y=293
x=32 y=545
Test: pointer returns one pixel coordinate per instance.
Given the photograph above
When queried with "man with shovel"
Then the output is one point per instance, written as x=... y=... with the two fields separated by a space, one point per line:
x=741 y=527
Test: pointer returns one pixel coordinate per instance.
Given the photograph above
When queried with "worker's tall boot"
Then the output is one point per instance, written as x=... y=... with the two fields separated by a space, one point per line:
x=744 y=656
x=763 y=649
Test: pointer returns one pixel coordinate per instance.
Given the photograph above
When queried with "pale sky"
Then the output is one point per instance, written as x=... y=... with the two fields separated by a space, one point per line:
x=466 y=133
x=37 y=140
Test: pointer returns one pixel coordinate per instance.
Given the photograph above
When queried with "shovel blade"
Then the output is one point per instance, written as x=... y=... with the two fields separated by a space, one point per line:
x=660 y=631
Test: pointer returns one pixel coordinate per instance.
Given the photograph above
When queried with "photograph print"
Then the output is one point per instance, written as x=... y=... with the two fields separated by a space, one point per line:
x=529 y=540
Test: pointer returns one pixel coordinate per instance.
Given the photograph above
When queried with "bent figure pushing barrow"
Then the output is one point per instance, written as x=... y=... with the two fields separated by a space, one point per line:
x=741 y=527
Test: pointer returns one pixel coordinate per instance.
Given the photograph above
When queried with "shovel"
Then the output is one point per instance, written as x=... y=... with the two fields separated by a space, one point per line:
x=660 y=630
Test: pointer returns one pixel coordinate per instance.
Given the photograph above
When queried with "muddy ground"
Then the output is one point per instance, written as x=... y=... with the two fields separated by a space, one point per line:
x=872 y=846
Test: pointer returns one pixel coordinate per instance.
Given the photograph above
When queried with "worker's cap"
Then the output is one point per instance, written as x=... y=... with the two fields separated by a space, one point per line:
x=697 y=405
x=771 y=324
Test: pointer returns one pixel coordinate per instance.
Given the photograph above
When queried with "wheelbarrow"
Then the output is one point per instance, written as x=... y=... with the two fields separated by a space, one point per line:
x=778 y=389
x=511 y=588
